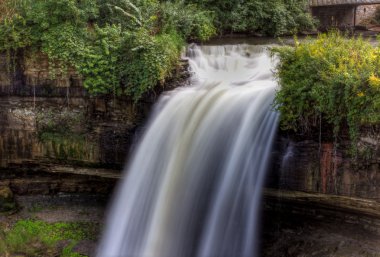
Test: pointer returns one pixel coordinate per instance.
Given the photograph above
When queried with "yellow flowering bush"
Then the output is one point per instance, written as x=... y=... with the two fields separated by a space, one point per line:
x=374 y=81
x=331 y=82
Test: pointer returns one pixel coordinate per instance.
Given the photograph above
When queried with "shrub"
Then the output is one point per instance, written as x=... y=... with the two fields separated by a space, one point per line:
x=333 y=79
x=149 y=60
x=14 y=34
x=118 y=46
x=132 y=15
x=190 y=22
x=271 y=17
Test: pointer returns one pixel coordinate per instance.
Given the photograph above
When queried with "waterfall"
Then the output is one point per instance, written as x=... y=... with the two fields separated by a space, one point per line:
x=193 y=187
x=287 y=166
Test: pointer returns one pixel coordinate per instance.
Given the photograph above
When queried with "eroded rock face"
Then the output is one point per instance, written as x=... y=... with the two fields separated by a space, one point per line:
x=323 y=201
x=300 y=237
x=363 y=213
x=50 y=123
x=47 y=119
x=310 y=224
x=7 y=202
x=44 y=183
x=322 y=168
x=54 y=132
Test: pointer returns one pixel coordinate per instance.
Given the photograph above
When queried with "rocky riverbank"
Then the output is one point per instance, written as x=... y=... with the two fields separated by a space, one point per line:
x=304 y=224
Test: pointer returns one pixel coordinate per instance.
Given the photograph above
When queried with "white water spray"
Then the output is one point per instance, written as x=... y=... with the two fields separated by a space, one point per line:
x=194 y=185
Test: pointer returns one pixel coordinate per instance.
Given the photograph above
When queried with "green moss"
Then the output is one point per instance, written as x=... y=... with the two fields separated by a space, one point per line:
x=66 y=146
x=35 y=207
x=7 y=202
x=38 y=238
x=68 y=252
x=62 y=132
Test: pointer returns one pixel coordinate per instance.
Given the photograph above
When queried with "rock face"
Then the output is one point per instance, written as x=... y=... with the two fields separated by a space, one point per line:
x=49 y=123
x=363 y=213
x=321 y=168
x=324 y=200
x=45 y=183
x=304 y=224
x=81 y=132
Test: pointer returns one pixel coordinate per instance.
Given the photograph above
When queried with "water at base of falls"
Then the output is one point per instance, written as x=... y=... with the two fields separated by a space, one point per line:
x=194 y=185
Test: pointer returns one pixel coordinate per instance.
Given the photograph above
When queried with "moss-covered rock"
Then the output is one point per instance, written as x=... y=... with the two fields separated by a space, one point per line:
x=7 y=201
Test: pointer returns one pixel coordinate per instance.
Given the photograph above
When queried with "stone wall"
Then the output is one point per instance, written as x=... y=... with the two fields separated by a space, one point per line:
x=365 y=13
x=344 y=16
x=334 y=16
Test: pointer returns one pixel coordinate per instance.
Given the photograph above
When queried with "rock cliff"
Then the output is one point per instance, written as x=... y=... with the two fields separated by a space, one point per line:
x=50 y=124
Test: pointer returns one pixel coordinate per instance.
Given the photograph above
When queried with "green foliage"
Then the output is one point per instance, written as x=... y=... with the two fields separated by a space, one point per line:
x=38 y=238
x=188 y=20
x=132 y=15
x=66 y=146
x=152 y=58
x=14 y=33
x=99 y=64
x=333 y=79
x=118 y=46
x=68 y=252
x=127 y=47
x=271 y=17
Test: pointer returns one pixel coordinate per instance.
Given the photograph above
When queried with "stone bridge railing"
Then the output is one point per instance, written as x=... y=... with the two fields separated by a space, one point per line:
x=316 y=3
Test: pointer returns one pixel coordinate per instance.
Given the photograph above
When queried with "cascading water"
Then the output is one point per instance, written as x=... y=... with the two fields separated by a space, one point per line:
x=287 y=166
x=194 y=185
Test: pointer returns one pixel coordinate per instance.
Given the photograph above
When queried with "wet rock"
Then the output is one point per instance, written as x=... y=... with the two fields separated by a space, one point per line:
x=54 y=182
x=55 y=121
x=363 y=213
x=85 y=247
x=7 y=201
x=306 y=165
x=62 y=244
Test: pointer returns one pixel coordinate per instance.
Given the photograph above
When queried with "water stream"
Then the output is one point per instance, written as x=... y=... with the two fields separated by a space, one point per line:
x=194 y=185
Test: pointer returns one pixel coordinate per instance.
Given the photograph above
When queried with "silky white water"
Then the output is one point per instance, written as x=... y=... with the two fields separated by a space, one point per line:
x=194 y=184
